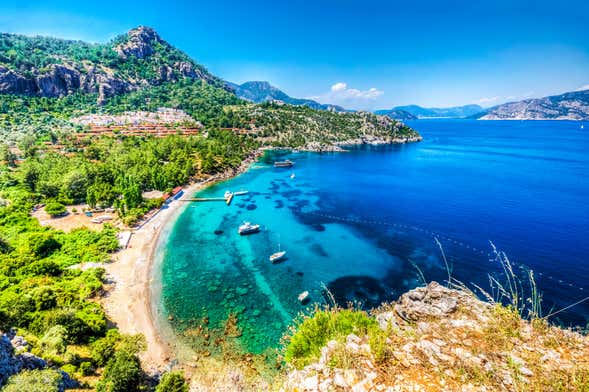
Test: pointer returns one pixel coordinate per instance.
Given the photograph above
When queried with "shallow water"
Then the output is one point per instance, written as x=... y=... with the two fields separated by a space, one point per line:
x=358 y=222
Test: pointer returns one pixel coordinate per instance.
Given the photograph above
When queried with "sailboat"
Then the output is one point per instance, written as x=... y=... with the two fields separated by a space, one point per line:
x=275 y=257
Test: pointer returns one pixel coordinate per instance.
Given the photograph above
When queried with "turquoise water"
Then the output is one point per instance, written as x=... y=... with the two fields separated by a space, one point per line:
x=358 y=222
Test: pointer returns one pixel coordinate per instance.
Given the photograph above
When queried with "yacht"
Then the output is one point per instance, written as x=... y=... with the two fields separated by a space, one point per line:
x=287 y=163
x=248 y=228
x=275 y=257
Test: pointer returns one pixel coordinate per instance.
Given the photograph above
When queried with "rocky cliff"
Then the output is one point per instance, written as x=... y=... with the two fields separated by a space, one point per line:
x=48 y=67
x=439 y=339
x=567 y=106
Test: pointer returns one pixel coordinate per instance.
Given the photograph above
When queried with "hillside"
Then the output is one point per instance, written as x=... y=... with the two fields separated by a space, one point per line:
x=567 y=106
x=451 y=112
x=397 y=114
x=434 y=338
x=47 y=82
x=52 y=67
x=259 y=92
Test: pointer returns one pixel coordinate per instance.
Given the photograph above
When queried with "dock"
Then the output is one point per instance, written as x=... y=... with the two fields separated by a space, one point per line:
x=203 y=199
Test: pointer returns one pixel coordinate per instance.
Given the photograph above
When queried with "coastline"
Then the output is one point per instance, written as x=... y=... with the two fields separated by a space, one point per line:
x=128 y=298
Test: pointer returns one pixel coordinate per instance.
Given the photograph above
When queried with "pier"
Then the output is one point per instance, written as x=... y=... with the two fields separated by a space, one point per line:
x=204 y=199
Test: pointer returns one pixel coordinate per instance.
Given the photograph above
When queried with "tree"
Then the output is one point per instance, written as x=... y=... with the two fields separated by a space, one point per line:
x=55 y=209
x=172 y=382
x=121 y=374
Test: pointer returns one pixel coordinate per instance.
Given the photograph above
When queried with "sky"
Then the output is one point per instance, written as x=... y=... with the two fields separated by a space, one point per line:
x=359 y=54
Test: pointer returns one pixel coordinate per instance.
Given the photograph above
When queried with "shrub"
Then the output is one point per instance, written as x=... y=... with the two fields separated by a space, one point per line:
x=121 y=374
x=34 y=380
x=55 y=209
x=85 y=369
x=313 y=332
x=54 y=340
x=172 y=382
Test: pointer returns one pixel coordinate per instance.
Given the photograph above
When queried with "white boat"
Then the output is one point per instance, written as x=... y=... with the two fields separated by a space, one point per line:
x=227 y=194
x=292 y=175
x=277 y=256
x=248 y=228
x=303 y=296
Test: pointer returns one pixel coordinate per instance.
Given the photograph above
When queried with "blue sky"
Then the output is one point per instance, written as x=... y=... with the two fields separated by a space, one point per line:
x=360 y=54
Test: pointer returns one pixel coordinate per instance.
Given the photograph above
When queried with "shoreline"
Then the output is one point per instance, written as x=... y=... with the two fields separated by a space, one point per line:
x=128 y=301
x=128 y=298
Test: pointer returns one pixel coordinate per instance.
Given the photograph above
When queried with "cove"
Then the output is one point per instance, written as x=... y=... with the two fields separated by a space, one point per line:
x=360 y=223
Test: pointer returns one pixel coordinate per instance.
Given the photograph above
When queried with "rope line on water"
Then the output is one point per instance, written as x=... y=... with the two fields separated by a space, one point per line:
x=474 y=249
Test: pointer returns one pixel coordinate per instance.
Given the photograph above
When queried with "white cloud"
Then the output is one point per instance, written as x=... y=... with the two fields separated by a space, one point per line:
x=583 y=88
x=341 y=94
x=339 y=87
x=487 y=100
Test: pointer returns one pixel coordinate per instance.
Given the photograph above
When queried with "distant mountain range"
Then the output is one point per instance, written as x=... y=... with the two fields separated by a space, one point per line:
x=568 y=106
x=412 y=112
x=261 y=91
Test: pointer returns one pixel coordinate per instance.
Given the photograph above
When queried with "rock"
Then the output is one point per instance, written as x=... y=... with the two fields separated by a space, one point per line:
x=433 y=300
x=386 y=320
x=310 y=383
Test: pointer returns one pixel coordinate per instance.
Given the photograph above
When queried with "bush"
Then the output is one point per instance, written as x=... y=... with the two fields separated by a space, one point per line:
x=55 y=209
x=34 y=381
x=172 y=382
x=85 y=369
x=54 y=340
x=121 y=374
x=314 y=332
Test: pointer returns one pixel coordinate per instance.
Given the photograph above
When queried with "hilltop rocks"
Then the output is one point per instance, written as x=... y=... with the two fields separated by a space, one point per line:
x=101 y=74
x=139 y=44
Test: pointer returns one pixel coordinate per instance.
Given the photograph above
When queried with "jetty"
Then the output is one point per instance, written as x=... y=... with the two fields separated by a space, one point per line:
x=203 y=199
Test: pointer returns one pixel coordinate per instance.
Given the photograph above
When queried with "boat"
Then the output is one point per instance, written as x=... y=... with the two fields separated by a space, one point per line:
x=275 y=257
x=227 y=194
x=303 y=297
x=229 y=198
x=248 y=228
x=287 y=163
x=292 y=176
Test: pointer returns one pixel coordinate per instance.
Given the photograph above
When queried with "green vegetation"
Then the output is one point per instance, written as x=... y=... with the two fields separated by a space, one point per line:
x=55 y=208
x=172 y=382
x=312 y=333
x=34 y=380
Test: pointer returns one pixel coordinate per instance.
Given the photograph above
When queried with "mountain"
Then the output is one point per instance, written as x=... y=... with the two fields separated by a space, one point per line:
x=567 y=106
x=260 y=91
x=52 y=67
x=451 y=112
x=396 y=114
x=47 y=85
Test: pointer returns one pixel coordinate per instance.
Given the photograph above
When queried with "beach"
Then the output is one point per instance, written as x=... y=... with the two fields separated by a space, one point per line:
x=127 y=301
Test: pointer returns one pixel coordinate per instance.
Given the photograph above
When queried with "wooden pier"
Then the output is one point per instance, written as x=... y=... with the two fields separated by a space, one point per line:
x=204 y=199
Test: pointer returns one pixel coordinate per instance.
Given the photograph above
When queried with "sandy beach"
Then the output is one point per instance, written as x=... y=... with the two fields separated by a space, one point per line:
x=127 y=302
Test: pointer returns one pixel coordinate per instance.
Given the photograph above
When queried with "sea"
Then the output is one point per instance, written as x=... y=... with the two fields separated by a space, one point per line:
x=364 y=226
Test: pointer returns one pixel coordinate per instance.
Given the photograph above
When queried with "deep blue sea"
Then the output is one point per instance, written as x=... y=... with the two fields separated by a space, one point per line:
x=362 y=223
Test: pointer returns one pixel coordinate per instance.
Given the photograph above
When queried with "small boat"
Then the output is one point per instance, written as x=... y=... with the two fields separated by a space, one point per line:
x=292 y=176
x=287 y=163
x=303 y=297
x=277 y=256
x=248 y=228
